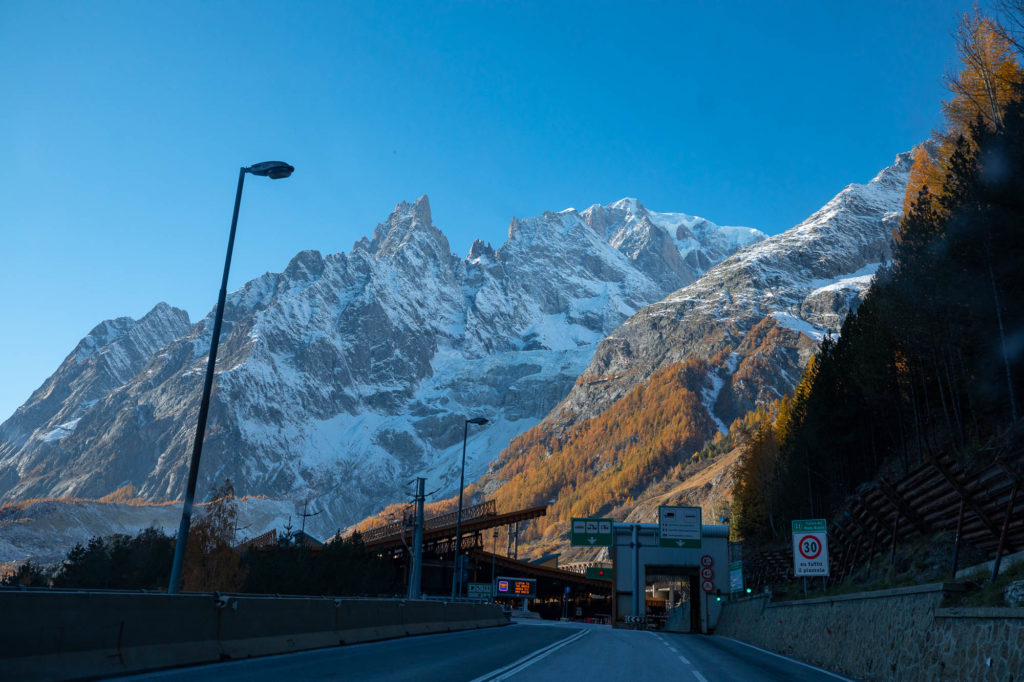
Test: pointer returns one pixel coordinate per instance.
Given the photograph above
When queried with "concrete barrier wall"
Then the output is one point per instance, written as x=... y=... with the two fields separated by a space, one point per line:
x=898 y=634
x=73 y=635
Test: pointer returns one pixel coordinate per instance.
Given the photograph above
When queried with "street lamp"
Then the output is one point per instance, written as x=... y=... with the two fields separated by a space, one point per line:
x=456 y=588
x=275 y=170
x=494 y=547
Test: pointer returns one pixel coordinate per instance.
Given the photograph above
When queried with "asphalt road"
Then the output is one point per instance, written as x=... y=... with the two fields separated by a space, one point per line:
x=528 y=650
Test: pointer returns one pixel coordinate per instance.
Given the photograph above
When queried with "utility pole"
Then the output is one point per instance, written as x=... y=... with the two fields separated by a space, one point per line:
x=417 y=543
x=304 y=515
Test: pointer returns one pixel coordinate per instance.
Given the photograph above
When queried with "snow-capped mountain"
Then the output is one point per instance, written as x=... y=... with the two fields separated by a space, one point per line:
x=345 y=376
x=737 y=337
x=802 y=283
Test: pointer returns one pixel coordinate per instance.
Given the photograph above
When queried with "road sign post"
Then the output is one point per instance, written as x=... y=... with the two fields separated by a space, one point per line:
x=679 y=527
x=589 y=532
x=810 y=548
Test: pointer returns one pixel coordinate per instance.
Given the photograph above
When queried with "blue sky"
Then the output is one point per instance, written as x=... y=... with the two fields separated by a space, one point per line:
x=124 y=124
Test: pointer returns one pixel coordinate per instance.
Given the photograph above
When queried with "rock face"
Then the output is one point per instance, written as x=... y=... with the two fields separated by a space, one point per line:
x=343 y=377
x=767 y=305
x=102 y=363
x=748 y=325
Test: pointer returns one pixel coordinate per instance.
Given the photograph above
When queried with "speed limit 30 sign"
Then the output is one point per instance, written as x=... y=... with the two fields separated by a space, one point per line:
x=810 y=548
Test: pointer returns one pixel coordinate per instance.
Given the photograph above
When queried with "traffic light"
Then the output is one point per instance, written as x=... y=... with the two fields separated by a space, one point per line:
x=749 y=590
x=718 y=595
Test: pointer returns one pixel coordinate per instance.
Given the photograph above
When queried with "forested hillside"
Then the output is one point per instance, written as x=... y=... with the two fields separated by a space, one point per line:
x=930 y=362
x=607 y=461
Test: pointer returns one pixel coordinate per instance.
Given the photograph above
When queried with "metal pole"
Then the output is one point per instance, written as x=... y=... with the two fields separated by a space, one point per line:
x=1002 y=535
x=956 y=543
x=635 y=544
x=456 y=588
x=895 y=533
x=204 y=405
x=417 y=543
x=494 y=549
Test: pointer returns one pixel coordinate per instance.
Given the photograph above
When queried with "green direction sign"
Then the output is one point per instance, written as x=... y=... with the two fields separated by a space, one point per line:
x=809 y=526
x=591 y=533
x=599 y=573
x=679 y=527
x=478 y=590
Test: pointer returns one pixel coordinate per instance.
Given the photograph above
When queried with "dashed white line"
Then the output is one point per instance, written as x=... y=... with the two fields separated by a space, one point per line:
x=700 y=678
x=683 y=659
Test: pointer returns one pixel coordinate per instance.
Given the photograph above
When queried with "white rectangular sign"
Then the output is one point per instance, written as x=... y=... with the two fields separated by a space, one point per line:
x=810 y=548
x=679 y=527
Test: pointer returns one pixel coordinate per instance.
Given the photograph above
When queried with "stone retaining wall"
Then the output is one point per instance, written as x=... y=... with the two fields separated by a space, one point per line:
x=898 y=634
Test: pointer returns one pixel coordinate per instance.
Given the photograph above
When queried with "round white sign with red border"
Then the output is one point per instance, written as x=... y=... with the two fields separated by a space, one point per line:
x=809 y=547
x=707 y=586
x=706 y=561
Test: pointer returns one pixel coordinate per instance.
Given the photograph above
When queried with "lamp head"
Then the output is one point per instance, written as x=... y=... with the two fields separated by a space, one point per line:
x=275 y=170
x=479 y=421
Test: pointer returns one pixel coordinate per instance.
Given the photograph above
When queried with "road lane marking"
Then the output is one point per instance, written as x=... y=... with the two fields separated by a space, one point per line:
x=529 y=659
x=700 y=678
x=791 y=660
x=683 y=659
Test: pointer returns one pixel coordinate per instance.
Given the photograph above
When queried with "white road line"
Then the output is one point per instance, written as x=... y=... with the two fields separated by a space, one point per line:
x=791 y=660
x=683 y=659
x=529 y=659
x=700 y=678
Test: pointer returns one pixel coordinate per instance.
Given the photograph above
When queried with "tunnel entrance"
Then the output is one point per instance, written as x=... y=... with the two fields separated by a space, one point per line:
x=672 y=597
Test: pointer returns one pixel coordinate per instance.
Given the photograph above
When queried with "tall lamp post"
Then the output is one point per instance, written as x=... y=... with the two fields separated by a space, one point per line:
x=274 y=170
x=494 y=546
x=456 y=588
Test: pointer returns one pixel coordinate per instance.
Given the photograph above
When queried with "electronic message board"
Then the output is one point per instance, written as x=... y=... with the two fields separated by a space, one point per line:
x=517 y=587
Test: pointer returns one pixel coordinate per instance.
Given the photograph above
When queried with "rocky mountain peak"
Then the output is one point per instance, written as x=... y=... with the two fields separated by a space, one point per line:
x=410 y=224
x=304 y=266
x=352 y=371
x=479 y=250
x=800 y=283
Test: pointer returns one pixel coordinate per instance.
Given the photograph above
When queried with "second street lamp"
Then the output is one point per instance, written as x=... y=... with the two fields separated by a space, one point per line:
x=275 y=170
x=456 y=588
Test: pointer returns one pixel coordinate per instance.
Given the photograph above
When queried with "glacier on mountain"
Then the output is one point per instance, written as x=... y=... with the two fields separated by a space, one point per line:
x=345 y=376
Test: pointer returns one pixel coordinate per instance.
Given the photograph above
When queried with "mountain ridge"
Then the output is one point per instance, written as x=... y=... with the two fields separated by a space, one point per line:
x=741 y=334
x=355 y=366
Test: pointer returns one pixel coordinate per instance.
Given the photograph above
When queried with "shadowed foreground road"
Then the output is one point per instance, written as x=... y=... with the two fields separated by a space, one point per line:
x=528 y=650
